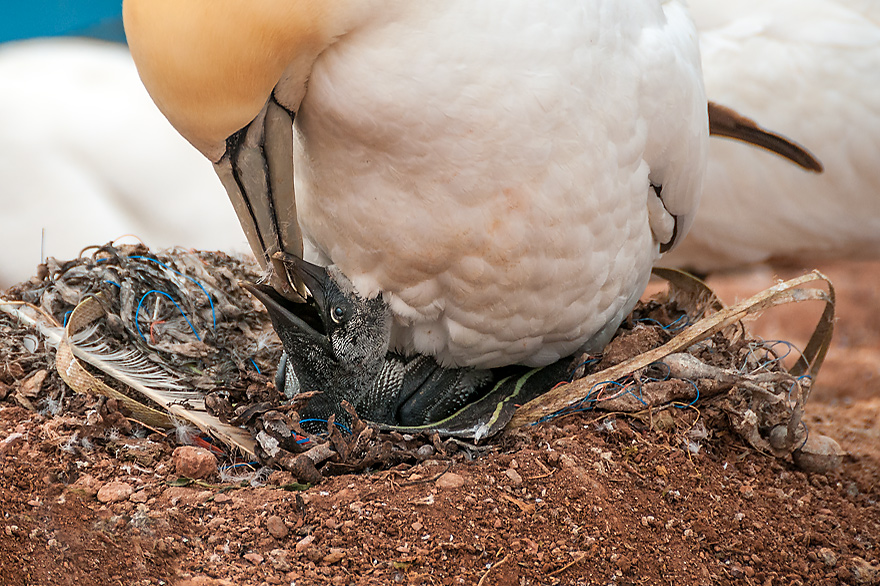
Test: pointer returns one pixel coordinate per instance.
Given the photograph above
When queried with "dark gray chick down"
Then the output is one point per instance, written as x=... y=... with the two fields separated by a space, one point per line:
x=338 y=343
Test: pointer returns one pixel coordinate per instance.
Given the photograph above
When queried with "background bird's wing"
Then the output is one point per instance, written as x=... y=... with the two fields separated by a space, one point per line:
x=724 y=121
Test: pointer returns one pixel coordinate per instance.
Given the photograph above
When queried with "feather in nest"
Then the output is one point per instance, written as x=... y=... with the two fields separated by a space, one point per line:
x=131 y=369
x=138 y=373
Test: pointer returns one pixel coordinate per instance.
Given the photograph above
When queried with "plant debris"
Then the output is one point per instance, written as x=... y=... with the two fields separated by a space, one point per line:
x=176 y=328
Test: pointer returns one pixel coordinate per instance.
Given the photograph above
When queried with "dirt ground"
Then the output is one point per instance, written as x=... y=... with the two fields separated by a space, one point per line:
x=583 y=499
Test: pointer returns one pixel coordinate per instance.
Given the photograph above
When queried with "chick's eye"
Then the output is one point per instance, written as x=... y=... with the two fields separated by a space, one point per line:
x=337 y=313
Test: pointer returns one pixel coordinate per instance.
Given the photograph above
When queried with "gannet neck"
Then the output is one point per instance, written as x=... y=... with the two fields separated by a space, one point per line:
x=211 y=65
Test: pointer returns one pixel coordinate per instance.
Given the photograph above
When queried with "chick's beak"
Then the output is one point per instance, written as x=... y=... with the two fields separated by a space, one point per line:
x=292 y=321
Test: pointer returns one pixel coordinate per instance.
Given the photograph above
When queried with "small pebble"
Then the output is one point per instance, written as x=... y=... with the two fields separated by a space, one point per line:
x=304 y=543
x=819 y=454
x=139 y=497
x=113 y=492
x=336 y=555
x=828 y=557
x=276 y=527
x=87 y=485
x=278 y=559
x=450 y=480
x=194 y=462
x=779 y=438
x=514 y=476
x=254 y=558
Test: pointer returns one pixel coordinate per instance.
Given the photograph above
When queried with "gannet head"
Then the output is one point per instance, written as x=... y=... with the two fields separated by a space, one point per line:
x=336 y=344
x=230 y=76
x=211 y=65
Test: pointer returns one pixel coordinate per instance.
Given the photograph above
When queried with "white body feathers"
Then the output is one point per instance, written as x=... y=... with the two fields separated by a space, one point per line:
x=488 y=167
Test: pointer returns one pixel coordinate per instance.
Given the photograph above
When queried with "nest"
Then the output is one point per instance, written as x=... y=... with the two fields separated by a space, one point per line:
x=171 y=336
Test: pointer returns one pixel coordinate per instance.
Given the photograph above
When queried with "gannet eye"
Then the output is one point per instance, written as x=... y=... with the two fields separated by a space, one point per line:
x=337 y=313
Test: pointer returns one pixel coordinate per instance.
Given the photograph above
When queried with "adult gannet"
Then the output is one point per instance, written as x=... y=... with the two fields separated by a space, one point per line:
x=811 y=70
x=504 y=173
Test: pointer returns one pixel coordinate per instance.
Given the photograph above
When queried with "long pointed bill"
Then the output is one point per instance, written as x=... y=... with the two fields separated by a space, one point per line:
x=291 y=320
x=257 y=172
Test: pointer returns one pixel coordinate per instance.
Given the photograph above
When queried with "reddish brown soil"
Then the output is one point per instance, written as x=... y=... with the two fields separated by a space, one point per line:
x=576 y=501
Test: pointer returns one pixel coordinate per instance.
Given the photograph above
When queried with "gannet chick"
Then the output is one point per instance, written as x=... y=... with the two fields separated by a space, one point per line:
x=338 y=345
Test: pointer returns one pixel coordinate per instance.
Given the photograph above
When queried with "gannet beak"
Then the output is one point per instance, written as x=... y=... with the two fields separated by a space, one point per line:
x=257 y=172
x=229 y=76
x=292 y=321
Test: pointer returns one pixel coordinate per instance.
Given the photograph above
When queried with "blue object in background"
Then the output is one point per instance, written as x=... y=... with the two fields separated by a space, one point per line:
x=25 y=19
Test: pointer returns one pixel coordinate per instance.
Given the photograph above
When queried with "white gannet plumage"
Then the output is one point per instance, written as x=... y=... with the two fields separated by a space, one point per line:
x=492 y=168
x=505 y=184
x=68 y=110
x=809 y=69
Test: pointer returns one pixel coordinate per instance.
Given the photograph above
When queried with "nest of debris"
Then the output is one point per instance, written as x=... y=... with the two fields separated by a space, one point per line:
x=170 y=337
